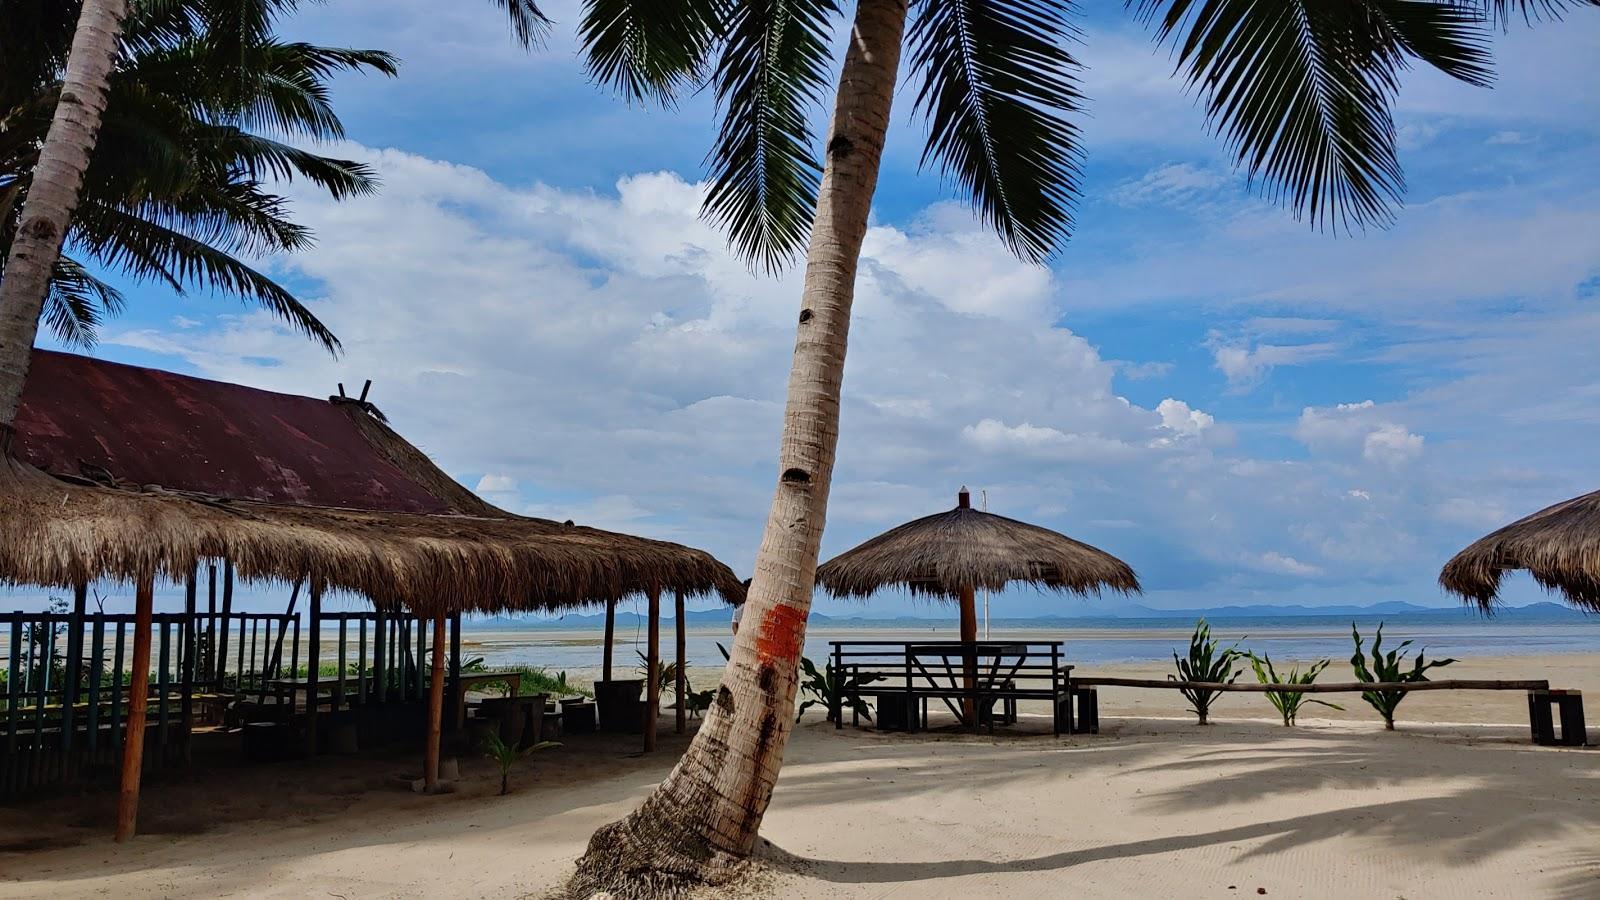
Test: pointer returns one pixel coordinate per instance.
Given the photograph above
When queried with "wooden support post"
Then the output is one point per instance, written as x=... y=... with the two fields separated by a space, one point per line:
x=69 y=693
x=191 y=590
x=456 y=701
x=211 y=623
x=313 y=665
x=138 y=702
x=611 y=627
x=652 y=706
x=680 y=687
x=969 y=655
x=430 y=768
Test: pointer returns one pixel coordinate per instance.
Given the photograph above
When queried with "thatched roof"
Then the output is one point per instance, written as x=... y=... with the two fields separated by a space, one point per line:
x=1558 y=545
x=79 y=502
x=938 y=555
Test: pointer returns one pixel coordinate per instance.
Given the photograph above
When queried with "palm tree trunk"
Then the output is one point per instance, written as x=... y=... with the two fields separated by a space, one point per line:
x=702 y=820
x=53 y=195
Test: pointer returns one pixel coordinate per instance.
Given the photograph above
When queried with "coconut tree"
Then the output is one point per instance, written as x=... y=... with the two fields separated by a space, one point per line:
x=174 y=118
x=1300 y=90
x=56 y=179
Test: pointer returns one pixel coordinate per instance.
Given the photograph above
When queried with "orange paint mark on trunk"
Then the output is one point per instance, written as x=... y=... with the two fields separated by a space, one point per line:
x=779 y=637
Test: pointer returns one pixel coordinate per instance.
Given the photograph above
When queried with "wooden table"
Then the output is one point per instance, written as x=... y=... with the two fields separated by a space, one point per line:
x=289 y=687
x=513 y=681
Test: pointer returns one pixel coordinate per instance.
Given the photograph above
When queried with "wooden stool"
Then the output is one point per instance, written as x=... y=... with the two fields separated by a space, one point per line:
x=1569 y=705
x=1087 y=720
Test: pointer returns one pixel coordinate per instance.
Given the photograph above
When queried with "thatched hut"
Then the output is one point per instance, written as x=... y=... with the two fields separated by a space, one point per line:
x=1558 y=545
x=134 y=474
x=951 y=554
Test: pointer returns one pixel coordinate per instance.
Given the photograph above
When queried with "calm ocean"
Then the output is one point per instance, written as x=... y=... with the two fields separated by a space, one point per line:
x=1087 y=641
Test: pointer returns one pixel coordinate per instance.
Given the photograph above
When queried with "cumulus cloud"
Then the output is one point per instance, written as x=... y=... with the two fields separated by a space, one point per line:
x=1245 y=365
x=1358 y=427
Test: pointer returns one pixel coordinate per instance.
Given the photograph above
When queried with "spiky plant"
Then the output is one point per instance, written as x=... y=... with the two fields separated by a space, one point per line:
x=1288 y=703
x=1207 y=662
x=1388 y=667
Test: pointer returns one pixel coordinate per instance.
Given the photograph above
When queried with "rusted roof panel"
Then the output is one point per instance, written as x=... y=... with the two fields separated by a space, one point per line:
x=146 y=426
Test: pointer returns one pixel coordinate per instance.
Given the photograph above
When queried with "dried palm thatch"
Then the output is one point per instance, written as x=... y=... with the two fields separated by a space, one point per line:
x=939 y=555
x=1558 y=545
x=57 y=533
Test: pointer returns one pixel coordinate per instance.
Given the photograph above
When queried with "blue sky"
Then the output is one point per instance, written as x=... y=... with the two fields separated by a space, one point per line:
x=1244 y=409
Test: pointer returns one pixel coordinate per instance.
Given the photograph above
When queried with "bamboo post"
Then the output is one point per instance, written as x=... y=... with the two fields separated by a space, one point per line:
x=611 y=627
x=138 y=702
x=652 y=684
x=680 y=686
x=456 y=701
x=313 y=665
x=430 y=769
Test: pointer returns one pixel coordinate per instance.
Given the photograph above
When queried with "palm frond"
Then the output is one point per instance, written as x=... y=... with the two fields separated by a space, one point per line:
x=649 y=50
x=771 y=73
x=149 y=250
x=1301 y=89
x=1502 y=12
x=998 y=86
x=77 y=302
x=529 y=24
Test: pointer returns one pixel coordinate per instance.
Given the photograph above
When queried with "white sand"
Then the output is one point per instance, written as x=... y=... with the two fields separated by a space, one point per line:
x=1152 y=807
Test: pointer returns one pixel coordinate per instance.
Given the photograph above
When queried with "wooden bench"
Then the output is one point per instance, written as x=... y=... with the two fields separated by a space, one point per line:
x=905 y=677
x=1541 y=697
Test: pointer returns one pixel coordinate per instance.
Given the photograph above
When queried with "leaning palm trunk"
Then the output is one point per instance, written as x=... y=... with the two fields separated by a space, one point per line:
x=53 y=195
x=703 y=819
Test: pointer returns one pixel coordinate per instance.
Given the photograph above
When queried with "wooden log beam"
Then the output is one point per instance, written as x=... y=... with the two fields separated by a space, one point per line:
x=430 y=769
x=138 y=703
x=680 y=686
x=313 y=665
x=1332 y=687
x=652 y=706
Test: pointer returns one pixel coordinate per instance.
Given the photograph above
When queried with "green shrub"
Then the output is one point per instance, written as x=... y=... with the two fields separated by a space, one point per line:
x=822 y=686
x=1386 y=667
x=1288 y=703
x=1208 y=663
x=506 y=755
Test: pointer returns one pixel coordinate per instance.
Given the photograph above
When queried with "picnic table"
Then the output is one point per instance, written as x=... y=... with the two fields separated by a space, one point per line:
x=970 y=678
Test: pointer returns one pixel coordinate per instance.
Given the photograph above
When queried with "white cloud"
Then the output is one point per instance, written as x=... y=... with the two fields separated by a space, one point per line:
x=1508 y=138
x=1279 y=563
x=1172 y=183
x=1246 y=365
x=496 y=484
x=1177 y=416
x=1358 y=427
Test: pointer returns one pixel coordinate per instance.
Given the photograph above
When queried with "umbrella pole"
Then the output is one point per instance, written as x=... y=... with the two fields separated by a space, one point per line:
x=611 y=626
x=969 y=655
x=138 y=701
x=430 y=759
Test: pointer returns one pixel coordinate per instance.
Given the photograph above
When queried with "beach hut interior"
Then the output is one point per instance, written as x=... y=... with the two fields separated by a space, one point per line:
x=143 y=477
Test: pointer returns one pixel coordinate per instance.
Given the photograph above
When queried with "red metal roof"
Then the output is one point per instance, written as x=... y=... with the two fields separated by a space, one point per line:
x=147 y=426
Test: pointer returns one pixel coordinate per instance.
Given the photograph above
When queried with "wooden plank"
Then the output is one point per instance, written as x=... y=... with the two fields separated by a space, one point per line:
x=430 y=768
x=1327 y=688
x=211 y=622
x=133 y=747
x=380 y=667
x=13 y=691
x=338 y=683
x=117 y=689
x=652 y=707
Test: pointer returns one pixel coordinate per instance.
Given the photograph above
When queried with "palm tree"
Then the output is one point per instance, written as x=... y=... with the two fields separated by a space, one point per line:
x=1300 y=90
x=57 y=177
x=201 y=107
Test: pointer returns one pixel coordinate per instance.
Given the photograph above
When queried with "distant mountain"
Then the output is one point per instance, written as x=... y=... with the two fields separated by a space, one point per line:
x=720 y=617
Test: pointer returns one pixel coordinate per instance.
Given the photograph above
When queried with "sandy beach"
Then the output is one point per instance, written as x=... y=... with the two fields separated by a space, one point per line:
x=1152 y=806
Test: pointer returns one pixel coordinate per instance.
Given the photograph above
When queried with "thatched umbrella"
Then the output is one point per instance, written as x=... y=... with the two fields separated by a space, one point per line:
x=1558 y=545
x=952 y=554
